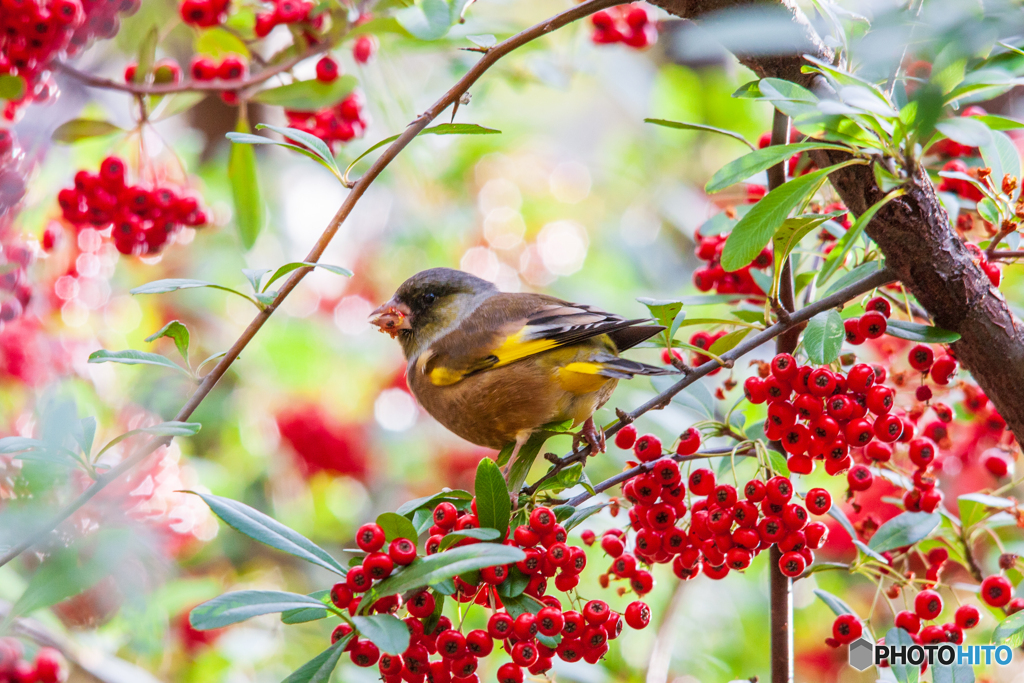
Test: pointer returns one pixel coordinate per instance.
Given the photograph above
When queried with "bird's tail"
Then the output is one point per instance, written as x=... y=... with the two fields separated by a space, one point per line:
x=623 y=368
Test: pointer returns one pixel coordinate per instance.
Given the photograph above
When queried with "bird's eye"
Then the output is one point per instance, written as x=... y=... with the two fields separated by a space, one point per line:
x=429 y=298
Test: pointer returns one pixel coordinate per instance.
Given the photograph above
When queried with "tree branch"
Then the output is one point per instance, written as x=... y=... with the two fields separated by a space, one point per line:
x=359 y=188
x=751 y=342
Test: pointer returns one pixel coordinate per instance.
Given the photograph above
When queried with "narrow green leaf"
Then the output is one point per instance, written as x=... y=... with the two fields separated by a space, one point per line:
x=729 y=341
x=232 y=608
x=269 y=531
x=1010 y=631
x=905 y=673
x=869 y=552
x=442 y=129
x=308 y=95
x=132 y=357
x=753 y=232
x=521 y=466
x=664 y=311
x=303 y=615
x=859 y=273
x=18 y=444
x=920 y=333
x=396 y=526
x=432 y=570
x=245 y=188
x=289 y=267
x=312 y=142
x=255 y=276
x=453 y=538
x=493 y=504
x=1001 y=156
x=834 y=603
x=320 y=668
x=147 y=55
x=178 y=333
x=823 y=337
x=789 y=234
x=386 y=631
x=172 y=428
x=457 y=497
x=965 y=130
x=759 y=160
x=86 y=434
x=837 y=256
x=83 y=129
x=904 y=529
x=837 y=514
x=577 y=517
x=700 y=126
x=974 y=507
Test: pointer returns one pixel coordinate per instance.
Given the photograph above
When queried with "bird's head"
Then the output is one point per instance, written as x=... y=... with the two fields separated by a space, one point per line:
x=429 y=305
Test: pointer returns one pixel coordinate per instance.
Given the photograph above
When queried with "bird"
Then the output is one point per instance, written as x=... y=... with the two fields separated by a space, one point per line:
x=495 y=367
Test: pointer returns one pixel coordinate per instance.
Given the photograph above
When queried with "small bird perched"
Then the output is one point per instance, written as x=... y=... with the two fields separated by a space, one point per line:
x=494 y=367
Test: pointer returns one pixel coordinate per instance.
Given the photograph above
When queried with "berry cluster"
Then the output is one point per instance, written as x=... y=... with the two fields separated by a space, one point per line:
x=714 y=277
x=342 y=122
x=35 y=32
x=204 y=13
x=871 y=325
x=165 y=71
x=230 y=68
x=143 y=219
x=531 y=639
x=48 y=667
x=285 y=12
x=724 y=533
x=631 y=25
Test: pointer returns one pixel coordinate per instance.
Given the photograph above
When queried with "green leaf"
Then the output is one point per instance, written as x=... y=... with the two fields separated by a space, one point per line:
x=486 y=40
x=441 y=129
x=245 y=188
x=172 y=428
x=255 y=276
x=995 y=122
x=789 y=234
x=664 y=311
x=869 y=552
x=904 y=529
x=289 y=267
x=759 y=160
x=1010 y=631
x=303 y=615
x=493 y=504
x=753 y=232
x=699 y=126
x=835 y=604
x=458 y=497
x=387 y=632
x=521 y=466
x=952 y=673
x=859 y=273
x=320 y=668
x=482 y=534
x=232 y=608
x=823 y=337
x=577 y=517
x=1002 y=157
x=147 y=55
x=11 y=87
x=308 y=95
x=174 y=284
x=965 y=130
x=837 y=256
x=176 y=331
x=82 y=129
x=778 y=462
x=434 y=569
x=311 y=142
x=974 y=507
x=67 y=572
x=396 y=526
x=427 y=19
x=19 y=444
x=729 y=341
x=905 y=673
x=85 y=434
x=749 y=90
x=177 y=103
x=521 y=604
x=837 y=514
x=515 y=584
x=220 y=43
x=132 y=357
x=269 y=531
x=920 y=333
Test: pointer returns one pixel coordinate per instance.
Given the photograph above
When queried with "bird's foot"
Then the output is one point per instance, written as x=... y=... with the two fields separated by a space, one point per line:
x=593 y=436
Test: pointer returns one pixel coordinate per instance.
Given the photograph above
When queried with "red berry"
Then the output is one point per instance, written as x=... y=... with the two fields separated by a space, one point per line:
x=596 y=612
x=879 y=304
x=702 y=481
x=203 y=69
x=510 y=673
x=402 y=551
x=231 y=68
x=792 y=564
x=327 y=69
x=967 y=616
x=542 y=520
x=626 y=437
x=908 y=621
x=819 y=501
x=784 y=366
x=364 y=49
x=689 y=442
x=647 y=448
x=341 y=595
x=525 y=653
x=853 y=333
x=922 y=451
x=860 y=478
x=872 y=325
x=921 y=357
x=365 y=654
x=421 y=604
x=445 y=515
x=996 y=591
x=370 y=537
x=928 y=604
x=846 y=628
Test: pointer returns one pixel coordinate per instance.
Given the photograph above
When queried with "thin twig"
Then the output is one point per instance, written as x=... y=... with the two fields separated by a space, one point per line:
x=1005 y=254
x=751 y=342
x=210 y=380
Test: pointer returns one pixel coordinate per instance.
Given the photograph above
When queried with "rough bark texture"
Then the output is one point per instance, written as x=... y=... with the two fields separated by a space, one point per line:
x=914 y=233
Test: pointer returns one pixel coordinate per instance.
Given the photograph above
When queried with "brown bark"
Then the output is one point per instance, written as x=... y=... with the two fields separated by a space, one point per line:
x=915 y=236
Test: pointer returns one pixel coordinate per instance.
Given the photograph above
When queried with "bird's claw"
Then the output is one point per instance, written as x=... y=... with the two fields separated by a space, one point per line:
x=593 y=436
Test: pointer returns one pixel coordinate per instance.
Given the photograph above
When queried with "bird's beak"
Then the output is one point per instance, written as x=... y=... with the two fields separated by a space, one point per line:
x=392 y=317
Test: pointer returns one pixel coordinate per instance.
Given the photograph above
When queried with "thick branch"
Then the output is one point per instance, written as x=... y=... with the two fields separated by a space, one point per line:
x=914 y=234
x=457 y=91
x=751 y=342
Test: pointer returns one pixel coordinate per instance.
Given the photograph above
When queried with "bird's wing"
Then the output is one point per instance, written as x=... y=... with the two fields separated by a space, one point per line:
x=510 y=327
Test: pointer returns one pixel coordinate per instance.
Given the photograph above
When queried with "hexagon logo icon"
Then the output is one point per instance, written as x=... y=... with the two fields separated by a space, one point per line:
x=862 y=654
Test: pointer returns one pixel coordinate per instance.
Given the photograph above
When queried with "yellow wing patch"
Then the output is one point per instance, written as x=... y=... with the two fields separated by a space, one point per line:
x=581 y=377
x=510 y=350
